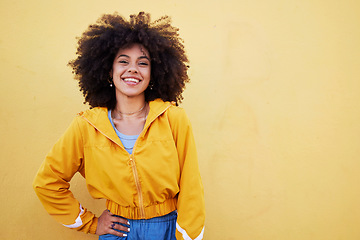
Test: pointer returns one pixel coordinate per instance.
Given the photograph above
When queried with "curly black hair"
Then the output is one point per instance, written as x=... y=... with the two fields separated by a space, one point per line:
x=99 y=44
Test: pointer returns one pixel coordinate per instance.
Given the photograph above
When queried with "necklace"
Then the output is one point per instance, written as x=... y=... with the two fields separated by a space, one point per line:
x=131 y=113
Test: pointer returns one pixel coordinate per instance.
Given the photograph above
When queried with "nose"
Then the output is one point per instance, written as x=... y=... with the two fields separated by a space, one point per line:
x=132 y=69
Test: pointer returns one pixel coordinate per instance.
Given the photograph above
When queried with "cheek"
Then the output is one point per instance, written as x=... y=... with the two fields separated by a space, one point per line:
x=147 y=73
x=116 y=71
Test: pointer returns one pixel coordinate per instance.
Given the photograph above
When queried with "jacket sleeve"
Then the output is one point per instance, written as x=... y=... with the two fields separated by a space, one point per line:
x=191 y=206
x=51 y=183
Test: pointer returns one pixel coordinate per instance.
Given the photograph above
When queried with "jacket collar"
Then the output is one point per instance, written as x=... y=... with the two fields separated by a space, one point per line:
x=98 y=118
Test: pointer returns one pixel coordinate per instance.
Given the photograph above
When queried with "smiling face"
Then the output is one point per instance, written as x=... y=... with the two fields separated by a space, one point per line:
x=131 y=71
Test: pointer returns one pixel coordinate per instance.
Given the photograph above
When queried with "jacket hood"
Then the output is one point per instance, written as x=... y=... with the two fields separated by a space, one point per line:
x=98 y=118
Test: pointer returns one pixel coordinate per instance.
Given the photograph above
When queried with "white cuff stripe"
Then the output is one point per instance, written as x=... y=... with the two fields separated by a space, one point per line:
x=78 y=221
x=186 y=236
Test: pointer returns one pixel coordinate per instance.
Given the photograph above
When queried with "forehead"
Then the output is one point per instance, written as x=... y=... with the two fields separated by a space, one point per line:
x=134 y=49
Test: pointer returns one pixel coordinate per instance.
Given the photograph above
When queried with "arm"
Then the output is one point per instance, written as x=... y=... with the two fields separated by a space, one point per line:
x=51 y=183
x=191 y=206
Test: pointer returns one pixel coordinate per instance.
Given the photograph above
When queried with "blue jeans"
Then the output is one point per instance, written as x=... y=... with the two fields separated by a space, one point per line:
x=158 y=228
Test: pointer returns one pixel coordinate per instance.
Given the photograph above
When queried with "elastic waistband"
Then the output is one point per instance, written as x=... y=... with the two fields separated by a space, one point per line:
x=152 y=211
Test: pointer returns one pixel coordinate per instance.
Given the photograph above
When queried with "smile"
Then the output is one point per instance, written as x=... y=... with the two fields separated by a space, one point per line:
x=131 y=80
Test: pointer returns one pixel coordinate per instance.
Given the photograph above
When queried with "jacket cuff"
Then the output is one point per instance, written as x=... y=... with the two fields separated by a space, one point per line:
x=93 y=226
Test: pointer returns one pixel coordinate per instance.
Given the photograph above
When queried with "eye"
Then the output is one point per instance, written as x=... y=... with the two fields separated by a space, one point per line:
x=123 y=61
x=143 y=63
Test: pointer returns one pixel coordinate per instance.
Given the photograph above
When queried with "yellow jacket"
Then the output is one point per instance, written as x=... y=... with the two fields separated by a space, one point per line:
x=160 y=176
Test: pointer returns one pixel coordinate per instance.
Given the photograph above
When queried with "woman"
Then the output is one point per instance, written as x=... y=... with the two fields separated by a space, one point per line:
x=135 y=147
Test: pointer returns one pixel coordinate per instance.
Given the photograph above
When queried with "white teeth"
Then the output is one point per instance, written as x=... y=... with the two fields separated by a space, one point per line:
x=131 y=80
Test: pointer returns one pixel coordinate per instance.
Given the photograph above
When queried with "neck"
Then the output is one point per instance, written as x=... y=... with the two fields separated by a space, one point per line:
x=130 y=105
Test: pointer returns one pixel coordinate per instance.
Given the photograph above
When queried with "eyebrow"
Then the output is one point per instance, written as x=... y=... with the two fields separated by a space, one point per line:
x=141 y=57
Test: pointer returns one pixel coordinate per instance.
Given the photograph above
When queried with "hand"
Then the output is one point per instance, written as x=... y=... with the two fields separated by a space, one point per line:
x=107 y=222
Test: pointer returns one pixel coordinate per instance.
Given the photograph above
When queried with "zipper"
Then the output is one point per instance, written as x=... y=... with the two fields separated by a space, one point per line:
x=132 y=162
x=135 y=173
x=138 y=187
x=134 y=170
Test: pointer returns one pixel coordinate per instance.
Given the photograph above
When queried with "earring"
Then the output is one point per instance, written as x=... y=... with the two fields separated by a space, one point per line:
x=110 y=80
x=151 y=85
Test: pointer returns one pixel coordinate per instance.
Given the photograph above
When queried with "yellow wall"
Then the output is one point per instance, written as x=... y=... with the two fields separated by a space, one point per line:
x=274 y=102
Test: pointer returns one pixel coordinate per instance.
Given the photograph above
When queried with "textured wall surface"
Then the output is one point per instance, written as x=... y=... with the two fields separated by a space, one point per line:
x=274 y=102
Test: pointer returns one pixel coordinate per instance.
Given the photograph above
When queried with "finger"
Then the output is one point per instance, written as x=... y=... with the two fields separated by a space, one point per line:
x=116 y=233
x=112 y=226
x=120 y=227
x=104 y=223
x=119 y=220
x=116 y=218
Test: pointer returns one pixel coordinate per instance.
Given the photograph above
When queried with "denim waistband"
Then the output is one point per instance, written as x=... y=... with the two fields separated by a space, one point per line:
x=168 y=217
